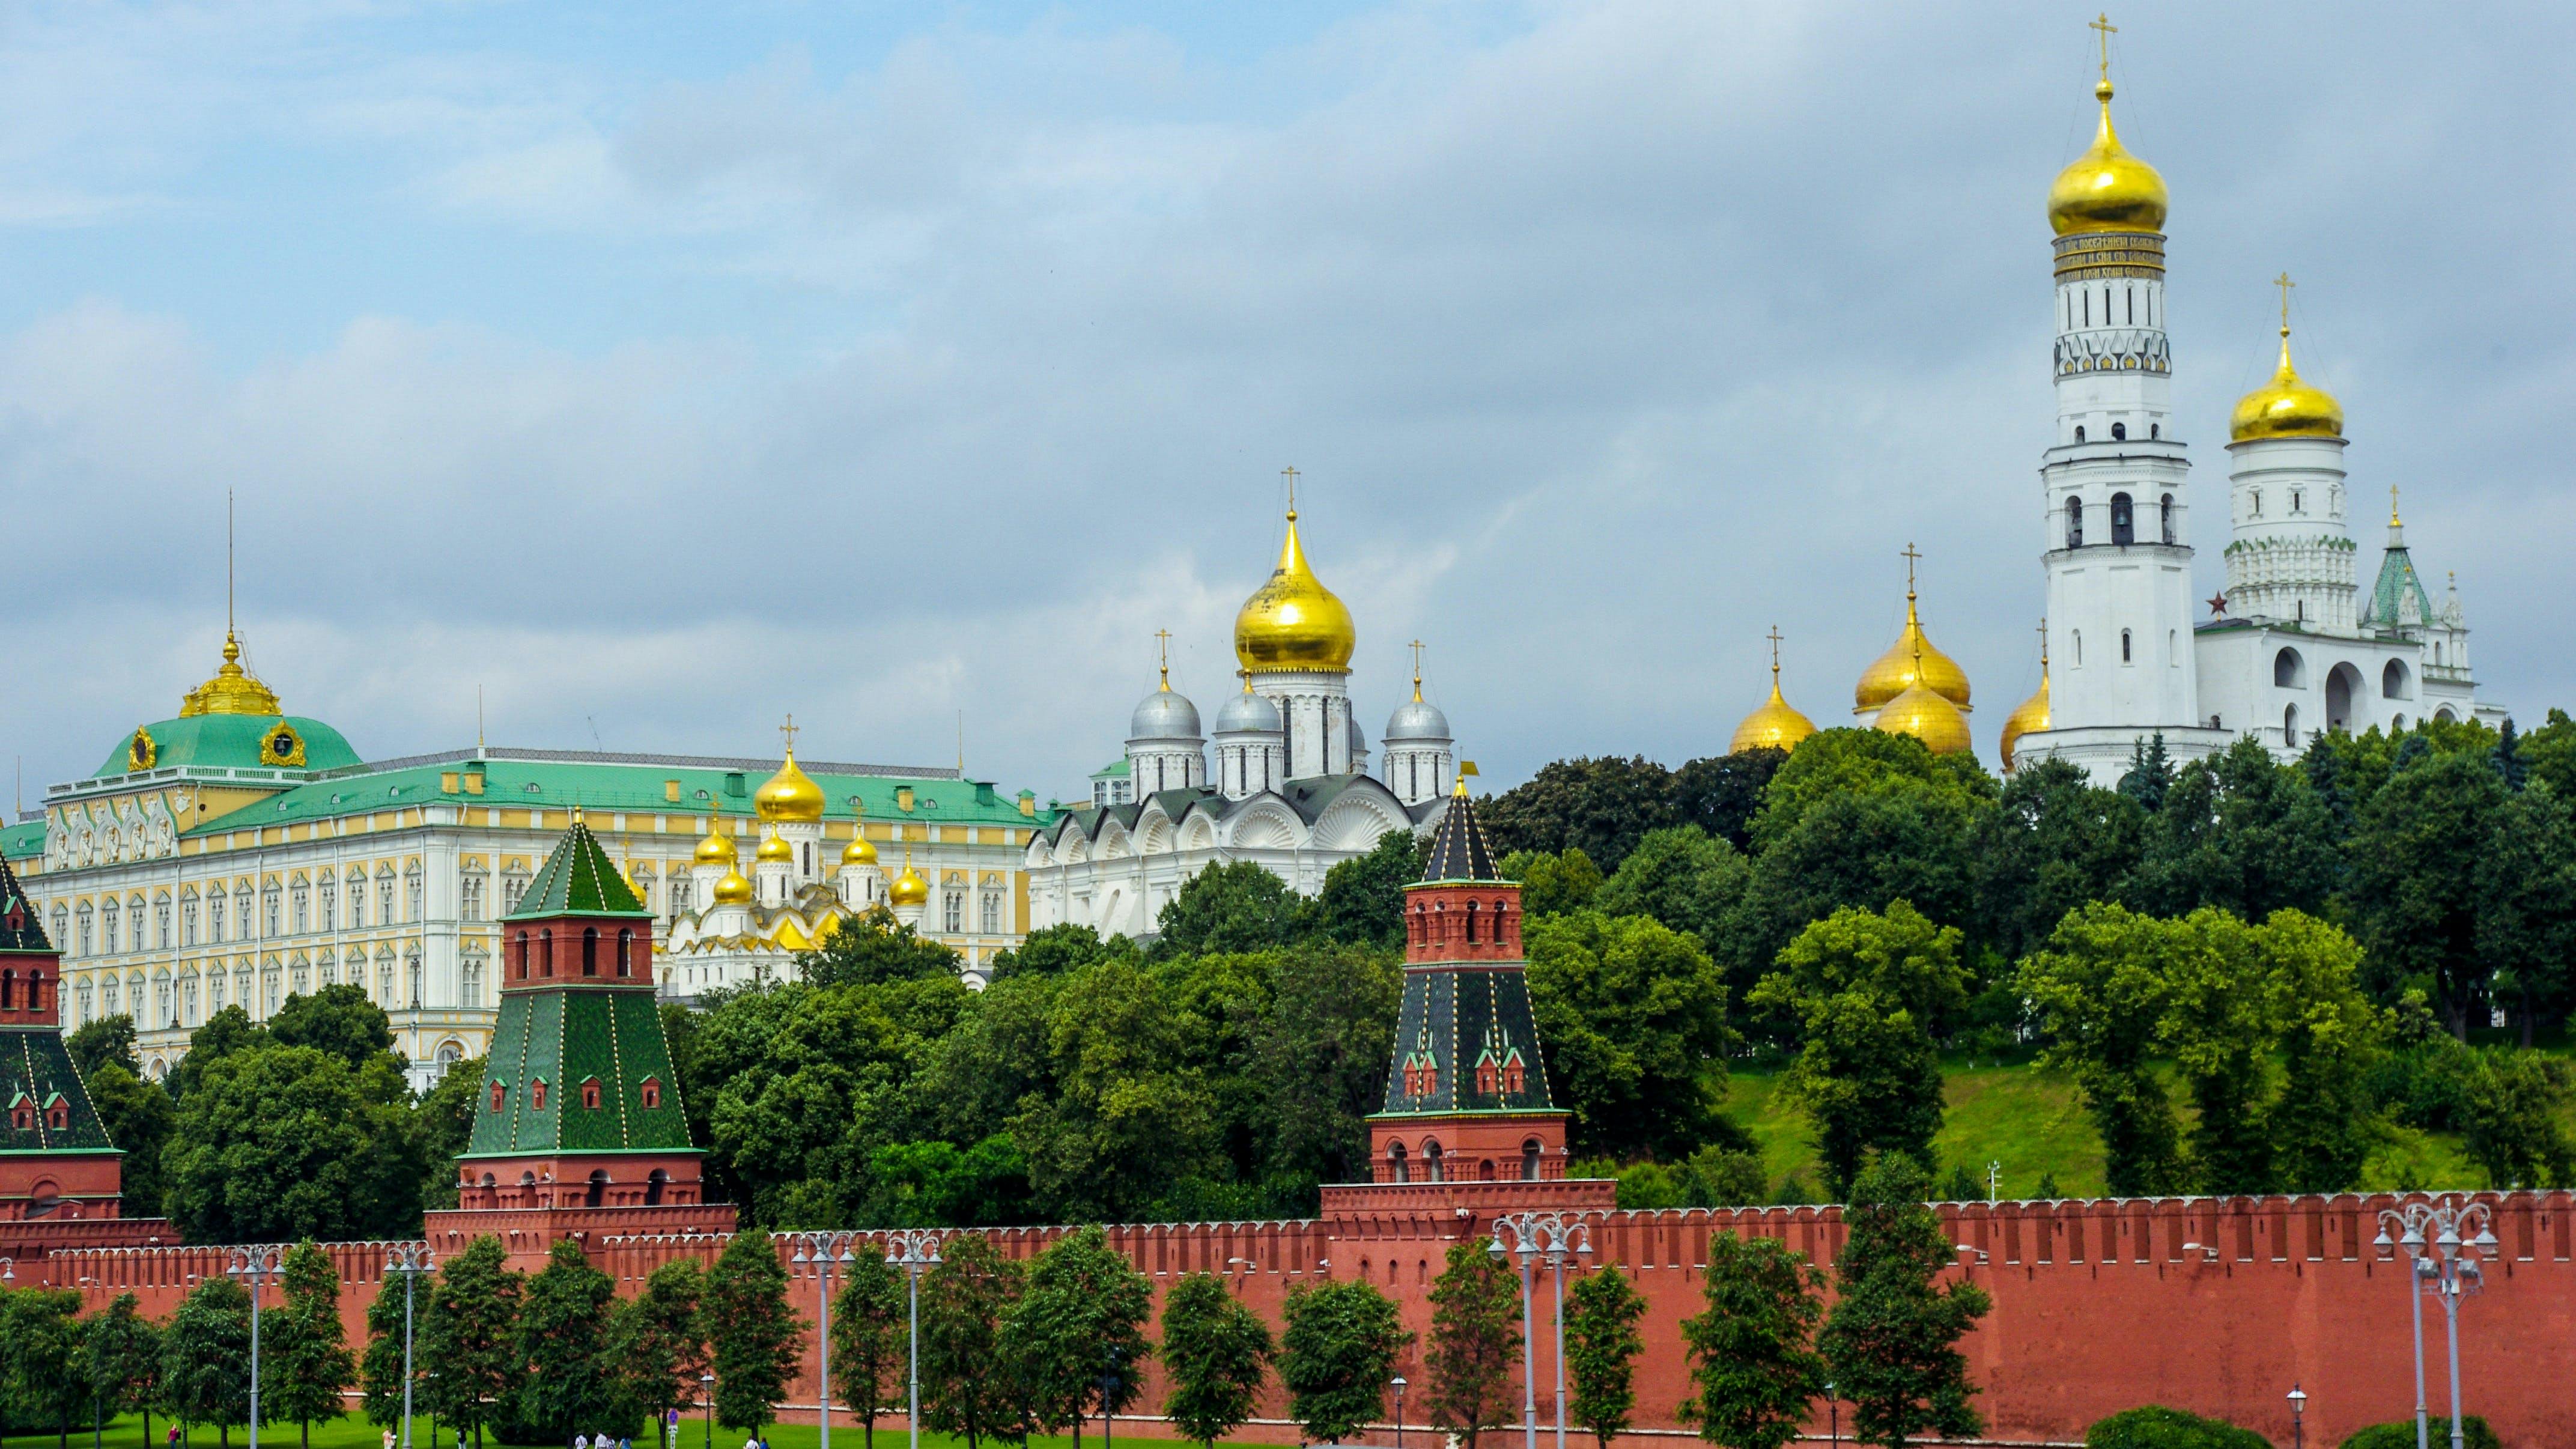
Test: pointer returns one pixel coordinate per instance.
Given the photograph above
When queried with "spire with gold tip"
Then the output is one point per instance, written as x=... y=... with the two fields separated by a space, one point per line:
x=2032 y=716
x=1292 y=623
x=2285 y=407
x=2107 y=189
x=1774 y=725
x=1910 y=661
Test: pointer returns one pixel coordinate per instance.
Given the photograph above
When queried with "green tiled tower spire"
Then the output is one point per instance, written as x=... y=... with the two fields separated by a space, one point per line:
x=1466 y=1092
x=580 y=1107
x=55 y=1159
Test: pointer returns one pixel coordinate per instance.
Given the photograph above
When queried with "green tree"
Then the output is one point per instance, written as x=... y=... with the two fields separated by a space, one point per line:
x=1722 y=793
x=568 y=1383
x=1131 y=1113
x=2415 y=878
x=1683 y=877
x=1340 y=1344
x=965 y=1387
x=1239 y=906
x=1753 y=1361
x=1318 y=1064
x=1475 y=1341
x=1843 y=763
x=41 y=1339
x=1217 y=1353
x=2098 y=991
x=875 y=948
x=1869 y=991
x=472 y=1335
x=338 y=1020
x=103 y=1040
x=1552 y=885
x=139 y=1118
x=280 y=1142
x=2151 y=773
x=227 y=1031
x=2323 y=1120
x=1055 y=950
x=441 y=1124
x=868 y=1323
x=1601 y=1348
x=2053 y=842
x=1633 y=1012
x=2513 y=1114
x=2474 y=1433
x=2527 y=905
x=2241 y=833
x=122 y=1351
x=305 y=1351
x=658 y=1341
x=1866 y=851
x=2154 y=1426
x=936 y=1184
x=205 y=1358
x=1891 y=1341
x=1362 y=902
x=757 y=1337
x=1080 y=1319
x=1600 y=806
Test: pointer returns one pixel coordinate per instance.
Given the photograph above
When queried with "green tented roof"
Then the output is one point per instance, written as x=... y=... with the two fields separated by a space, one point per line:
x=34 y=1064
x=21 y=932
x=565 y=1037
x=578 y=879
x=2397 y=584
x=232 y=741
x=511 y=784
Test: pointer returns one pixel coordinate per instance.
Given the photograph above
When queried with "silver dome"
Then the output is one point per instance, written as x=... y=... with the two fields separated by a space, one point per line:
x=1417 y=719
x=1248 y=713
x=1164 y=715
x=1359 y=744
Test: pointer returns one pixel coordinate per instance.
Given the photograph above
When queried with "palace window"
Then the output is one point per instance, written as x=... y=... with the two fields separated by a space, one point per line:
x=472 y=896
x=412 y=893
x=303 y=907
x=241 y=912
x=992 y=912
x=107 y=925
x=62 y=924
x=385 y=899
x=329 y=900
x=161 y=922
x=953 y=911
x=268 y=912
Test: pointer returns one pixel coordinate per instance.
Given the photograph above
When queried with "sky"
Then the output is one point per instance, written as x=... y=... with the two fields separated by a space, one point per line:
x=660 y=370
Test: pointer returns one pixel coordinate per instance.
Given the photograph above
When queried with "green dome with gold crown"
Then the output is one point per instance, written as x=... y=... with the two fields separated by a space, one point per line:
x=231 y=721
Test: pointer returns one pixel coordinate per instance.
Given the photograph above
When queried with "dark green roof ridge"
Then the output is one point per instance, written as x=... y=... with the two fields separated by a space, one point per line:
x=578 y=879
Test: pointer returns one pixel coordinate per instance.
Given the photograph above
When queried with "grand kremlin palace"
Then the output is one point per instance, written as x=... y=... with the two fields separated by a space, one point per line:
x=237 y=855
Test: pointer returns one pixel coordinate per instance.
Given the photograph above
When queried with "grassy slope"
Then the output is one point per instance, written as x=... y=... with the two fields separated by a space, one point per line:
x=2028 y=1120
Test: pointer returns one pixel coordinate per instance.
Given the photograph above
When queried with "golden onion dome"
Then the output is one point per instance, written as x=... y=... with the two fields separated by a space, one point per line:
x=2286 y=407
x=909 y=889
x=733 y=890
x=774 y=848
x=2107 y=189
x=790 y=795
x=233 y=690
x=717 y=848
x=1773 y=726
x=1292 y=622
x=860 y=851
x=1910 y=661
x=1928 y=717
x=2030 y=718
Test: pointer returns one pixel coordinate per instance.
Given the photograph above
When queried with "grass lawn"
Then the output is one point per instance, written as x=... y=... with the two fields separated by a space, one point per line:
x=353 y=1432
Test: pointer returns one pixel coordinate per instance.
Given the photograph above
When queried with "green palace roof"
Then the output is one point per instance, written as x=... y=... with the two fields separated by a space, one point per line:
x=231 y=741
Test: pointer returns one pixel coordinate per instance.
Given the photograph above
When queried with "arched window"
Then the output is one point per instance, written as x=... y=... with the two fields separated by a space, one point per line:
x=1431 y=1161
x=2155 y=430
x=2124 y=646
x=2076 y=638
x=2254 y=496
x=654 y=1183
x=545 y=953
x=2124 y=523
x=8 y=990
x=2392 y=685
x=2290 y=726
x=598 y=1189
x=2165 y=517
x=2297 y=500
x=2289 y=671
x=1471 y=923
x=625 y=953
x=590 y=1094
x=35 y=991
x=537 y=1094
x=651 y=1093
x=499 y=1094
x=2119 y=432
x=2079 y=432
x=2074 y=523
x=1529 y=1160
x=590 y=950
x=1397 y=1169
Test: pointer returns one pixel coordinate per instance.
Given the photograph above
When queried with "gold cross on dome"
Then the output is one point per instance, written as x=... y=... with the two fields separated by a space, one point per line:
x=1911 y=557
x=2285 y=284
x=2102 y=23
x=1163 y=638
x=1774 y=637
x=787 y=732
x=1291 y=475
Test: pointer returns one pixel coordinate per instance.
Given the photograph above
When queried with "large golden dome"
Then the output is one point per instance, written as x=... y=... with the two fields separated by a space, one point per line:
x=1911 y=660
x=789 y=795
x=909 y=889
x=1928 y=717
x=733 y=890
x=2030 y=718
x=1773 y=726
x=1292 y=622
x=2107 y=189
x=717 y=848
x=860 y=851
x=2285 y=407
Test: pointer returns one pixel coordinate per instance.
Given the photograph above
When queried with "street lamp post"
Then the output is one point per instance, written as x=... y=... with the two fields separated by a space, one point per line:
x=913 y=1250
x=1399 y=1411
x=410 y=1260
x=823 y=1251
x=2445 y=1264
x=1108 y=1394
x=707 y=1396
x=1533 y=1237
x=1833 y=1415
x=2298 y=1418
x=258 y=1264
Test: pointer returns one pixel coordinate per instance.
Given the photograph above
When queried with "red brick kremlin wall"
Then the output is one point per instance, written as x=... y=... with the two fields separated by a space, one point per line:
x=2213 y=1305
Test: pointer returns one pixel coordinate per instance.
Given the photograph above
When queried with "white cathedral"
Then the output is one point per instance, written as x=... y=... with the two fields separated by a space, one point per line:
x=1291 y=790
x=2293 y=645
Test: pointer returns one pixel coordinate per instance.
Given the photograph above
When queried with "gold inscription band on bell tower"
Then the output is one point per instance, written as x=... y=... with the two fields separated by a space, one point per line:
x=2097 y=255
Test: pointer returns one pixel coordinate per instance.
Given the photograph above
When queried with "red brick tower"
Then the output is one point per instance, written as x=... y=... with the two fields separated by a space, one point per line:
x=55 y=1159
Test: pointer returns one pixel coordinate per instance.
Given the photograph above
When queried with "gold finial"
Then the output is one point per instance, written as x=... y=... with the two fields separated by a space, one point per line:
x=1163 y=642
x=1416 y=647
x=1246 y=676
x=2285 y=284
x=2103 y=24
x=2043 y=646
x=787 y=732
x=1775 y=656
x=1291 y=475
x=2392 y=507
x=1465 y=769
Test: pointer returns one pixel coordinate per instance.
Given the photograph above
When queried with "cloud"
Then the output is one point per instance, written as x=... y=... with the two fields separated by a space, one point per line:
x=883 y=378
